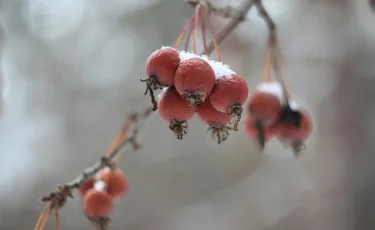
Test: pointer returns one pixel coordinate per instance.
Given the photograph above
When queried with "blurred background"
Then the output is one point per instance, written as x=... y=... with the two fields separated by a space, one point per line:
x=70 y=71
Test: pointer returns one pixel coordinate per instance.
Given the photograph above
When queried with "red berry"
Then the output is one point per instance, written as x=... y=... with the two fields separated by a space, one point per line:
x=210 y=116
x=176 y=111
x=97 y=203
x=194 y=80
x=87 y=185
x=216 y=120
x=289 y=133
x=162 y=65
x=228 y=96
x=116 y=181
x=252 y=131
x=264 y=107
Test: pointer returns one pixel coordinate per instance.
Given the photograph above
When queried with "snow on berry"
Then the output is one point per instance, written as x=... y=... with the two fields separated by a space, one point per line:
x=194 y=80
x=116 y=180
x=265 y=104
x=216 y=120
x=219 y=68
x=228 y=96
x=97 y=203
x=161 y=67
x=176 y=111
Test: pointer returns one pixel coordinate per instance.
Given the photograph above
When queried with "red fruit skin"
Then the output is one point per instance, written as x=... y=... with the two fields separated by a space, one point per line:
x=194 y=75
x=172 y=106
x=210 y=116
x=162 y=64
x=228 y=92
x=264 y=107
x=87 y=185
x=116 y=181
x=252 y=131
x=97 y=203
x=288 y=133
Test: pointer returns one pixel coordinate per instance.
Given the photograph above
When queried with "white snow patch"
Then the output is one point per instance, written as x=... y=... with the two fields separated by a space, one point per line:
x=273 y=88
x=220 y=69
x=99 y=185
x=162 y=92
x=294 y=105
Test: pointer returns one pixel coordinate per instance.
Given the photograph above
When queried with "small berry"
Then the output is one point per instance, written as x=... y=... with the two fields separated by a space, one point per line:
x=194 y=80
x=216 y=120
x=97 y=203
x=116 y=181
x=161 y=67
x=265 y=104
x=294 y=133
x=257 y=131
x=176 y=111
x=87 y=185
x=228 y=96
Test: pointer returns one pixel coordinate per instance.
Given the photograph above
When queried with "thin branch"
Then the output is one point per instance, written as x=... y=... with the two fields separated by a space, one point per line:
x=223 y=12
x=232 y=24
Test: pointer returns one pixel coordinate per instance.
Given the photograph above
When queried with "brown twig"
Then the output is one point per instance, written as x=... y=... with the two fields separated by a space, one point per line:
x=232 y=24
x=223 y=12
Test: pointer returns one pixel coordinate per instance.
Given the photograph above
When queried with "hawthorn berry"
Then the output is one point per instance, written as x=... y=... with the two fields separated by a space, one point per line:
x=116 y=181
x=194 y=80
x=265 y=103
x=228 y=96
x=176 y=111
x=97 y=202
x=87 y=185
x=161 y=67
x=256 y=131
x=293 y=128
x=216 y=120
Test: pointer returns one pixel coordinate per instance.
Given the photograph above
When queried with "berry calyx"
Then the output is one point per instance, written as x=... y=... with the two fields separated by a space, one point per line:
x=176 y=111
x=257 y=131
x=228 y=96
x=116 y=181
x=194 y=80
x=216 y=120
x=161 y=67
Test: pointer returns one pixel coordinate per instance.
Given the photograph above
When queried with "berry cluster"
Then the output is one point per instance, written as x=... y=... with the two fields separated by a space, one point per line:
x=193 y=83
x=99 y=192
x=271 y=112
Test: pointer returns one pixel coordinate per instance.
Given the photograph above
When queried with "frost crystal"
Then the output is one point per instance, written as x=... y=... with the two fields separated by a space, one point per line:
x=99 y=185
x=220 y=69
x=273 y=88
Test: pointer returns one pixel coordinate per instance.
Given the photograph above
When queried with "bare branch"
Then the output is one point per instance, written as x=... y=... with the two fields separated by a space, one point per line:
x=232 y=24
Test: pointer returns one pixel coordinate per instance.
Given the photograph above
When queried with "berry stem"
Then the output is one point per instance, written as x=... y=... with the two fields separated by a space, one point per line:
x=57 y=219
x=216 y=47
x=188 y=38
x=42 y=220
x=260 y=133
x=203 y=25
x=196 y=21
x=267 y=66
x=278 y=67
x=183 y=32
